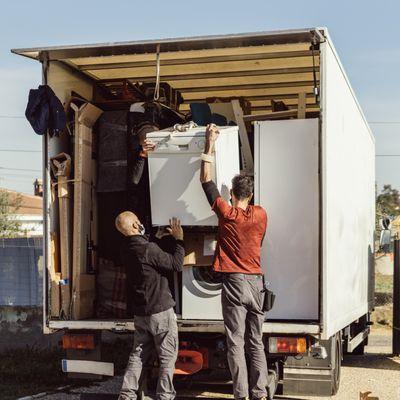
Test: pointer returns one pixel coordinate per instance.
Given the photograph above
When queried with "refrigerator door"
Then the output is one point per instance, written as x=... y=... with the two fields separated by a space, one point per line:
x=174 y=173
x=287 y=186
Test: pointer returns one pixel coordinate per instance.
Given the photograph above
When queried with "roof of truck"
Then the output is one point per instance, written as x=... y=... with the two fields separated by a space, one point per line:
x=170 y=44
x=259 y=67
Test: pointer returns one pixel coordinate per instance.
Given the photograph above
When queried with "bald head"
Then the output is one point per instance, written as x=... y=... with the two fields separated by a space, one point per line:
x=128 y=223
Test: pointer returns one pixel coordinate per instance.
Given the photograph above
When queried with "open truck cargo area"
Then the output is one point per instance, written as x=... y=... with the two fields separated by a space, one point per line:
x=299 y=130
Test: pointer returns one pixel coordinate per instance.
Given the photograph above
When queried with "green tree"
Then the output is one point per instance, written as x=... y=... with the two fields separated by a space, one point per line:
x=387 y=203
x=9 y=225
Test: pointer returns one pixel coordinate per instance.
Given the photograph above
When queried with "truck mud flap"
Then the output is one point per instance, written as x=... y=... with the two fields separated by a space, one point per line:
x=302 y=381
x=315 y=374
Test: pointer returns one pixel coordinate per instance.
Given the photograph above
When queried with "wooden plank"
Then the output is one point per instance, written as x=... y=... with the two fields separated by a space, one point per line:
x=247 y=86
x=301 y=111
x=274 y=92
x=262 y=104
x=246 y=65
x=55 y=296
x=273 y=115
x=248 y=164
x=55 y=275
x=239 y=78
x=173 y=55
x=82 y=288
x=61 y=166
x=197 y=60
x=259 y=97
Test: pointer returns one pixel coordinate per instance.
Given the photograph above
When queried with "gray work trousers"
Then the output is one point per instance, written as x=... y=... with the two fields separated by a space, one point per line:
x=242 y=300
x=157 y=332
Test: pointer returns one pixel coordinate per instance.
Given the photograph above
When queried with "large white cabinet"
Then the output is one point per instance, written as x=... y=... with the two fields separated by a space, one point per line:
x=287 y=186
x=174 y=173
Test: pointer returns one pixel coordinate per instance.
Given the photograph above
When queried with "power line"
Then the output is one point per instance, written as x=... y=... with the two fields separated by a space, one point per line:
x=22 y=169
x=12 y=116
x=18 y=178
x=19 y=175
x=384 y=122
x=387 y=155
x=19 y=151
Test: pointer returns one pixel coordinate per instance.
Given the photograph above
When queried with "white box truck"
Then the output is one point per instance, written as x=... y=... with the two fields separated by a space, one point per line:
x=314 y=174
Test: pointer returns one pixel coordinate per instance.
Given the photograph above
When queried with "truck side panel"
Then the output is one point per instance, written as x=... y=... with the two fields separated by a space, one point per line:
x=348 y=168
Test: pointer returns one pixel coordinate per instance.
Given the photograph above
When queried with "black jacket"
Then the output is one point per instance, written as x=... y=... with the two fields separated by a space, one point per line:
x=147 y=267
x=45 y=111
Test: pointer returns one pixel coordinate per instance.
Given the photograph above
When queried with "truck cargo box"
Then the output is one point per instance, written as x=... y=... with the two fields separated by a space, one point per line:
x=314 y=159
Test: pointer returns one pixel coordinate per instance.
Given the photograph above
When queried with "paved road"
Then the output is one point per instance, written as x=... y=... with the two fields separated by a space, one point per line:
x=376 y=372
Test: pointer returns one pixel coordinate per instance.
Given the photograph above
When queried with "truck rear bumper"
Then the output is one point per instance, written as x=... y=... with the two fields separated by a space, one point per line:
x=184 y=326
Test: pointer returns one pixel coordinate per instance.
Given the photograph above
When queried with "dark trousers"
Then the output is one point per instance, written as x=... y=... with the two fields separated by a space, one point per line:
x=242 y=300
x=154 y=334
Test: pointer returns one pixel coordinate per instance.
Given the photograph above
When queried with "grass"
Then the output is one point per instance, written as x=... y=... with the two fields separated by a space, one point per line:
x=383 y=283
x=382 y=316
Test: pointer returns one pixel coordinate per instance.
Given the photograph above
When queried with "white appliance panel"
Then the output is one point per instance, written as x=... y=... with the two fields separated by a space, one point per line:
x=174 y=173
x=201 y=296
x=287 y=186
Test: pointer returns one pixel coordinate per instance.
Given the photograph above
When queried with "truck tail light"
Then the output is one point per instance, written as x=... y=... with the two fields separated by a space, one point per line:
x=78 y=341
x=288 y=345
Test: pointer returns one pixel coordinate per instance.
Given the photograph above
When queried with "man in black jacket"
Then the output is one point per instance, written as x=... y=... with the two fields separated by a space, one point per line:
x=155 y=323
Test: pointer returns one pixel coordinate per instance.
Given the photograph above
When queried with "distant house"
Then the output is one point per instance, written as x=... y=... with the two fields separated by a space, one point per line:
x=29 y=214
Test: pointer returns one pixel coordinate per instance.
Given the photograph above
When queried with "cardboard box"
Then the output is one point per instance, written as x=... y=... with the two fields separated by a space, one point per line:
x=200 y=248
x=55 y=295
x=83 y=297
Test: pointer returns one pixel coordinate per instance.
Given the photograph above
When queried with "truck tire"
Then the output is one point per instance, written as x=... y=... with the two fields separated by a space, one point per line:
x=336 y=362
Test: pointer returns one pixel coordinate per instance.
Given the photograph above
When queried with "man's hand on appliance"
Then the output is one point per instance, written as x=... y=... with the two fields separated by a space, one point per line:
x=212 y=134
x=175 y=228
x=147 y=145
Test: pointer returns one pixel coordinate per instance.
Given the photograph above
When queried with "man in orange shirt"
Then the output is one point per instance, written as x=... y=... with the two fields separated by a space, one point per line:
x=241 y=230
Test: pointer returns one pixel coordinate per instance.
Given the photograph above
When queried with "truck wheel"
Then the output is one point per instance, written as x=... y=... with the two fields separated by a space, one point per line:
x=336 y=362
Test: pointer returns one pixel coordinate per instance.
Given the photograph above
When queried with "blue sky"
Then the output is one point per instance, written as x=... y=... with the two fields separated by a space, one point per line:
x=366 y=35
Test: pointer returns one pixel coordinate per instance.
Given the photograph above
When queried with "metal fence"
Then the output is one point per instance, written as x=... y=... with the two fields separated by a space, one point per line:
x=21 y=269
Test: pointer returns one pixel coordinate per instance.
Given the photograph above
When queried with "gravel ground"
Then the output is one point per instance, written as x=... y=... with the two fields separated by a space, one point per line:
x=376 y=372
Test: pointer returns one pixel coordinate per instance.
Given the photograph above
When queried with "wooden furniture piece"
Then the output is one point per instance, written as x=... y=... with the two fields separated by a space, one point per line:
x=61 y=166
x=83 y=284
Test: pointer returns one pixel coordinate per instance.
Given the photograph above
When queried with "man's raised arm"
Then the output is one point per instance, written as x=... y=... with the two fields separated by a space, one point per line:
x=207 y=158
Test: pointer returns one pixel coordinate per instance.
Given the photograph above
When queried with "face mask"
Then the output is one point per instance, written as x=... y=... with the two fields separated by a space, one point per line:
x=142 y=229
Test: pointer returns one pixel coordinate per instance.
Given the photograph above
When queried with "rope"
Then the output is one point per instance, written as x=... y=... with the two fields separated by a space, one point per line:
x=72 y=181
x=157 y=87
x=316 y=92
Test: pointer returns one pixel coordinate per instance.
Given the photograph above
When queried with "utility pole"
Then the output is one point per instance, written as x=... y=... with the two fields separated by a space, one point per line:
x=396 y=299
